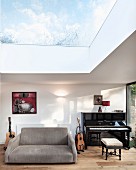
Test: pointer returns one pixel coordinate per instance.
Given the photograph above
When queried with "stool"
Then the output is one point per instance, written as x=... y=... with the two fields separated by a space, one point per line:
x=111 y=143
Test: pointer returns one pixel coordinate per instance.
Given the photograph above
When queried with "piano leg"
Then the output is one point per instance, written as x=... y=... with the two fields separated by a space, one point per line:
x=127 y=142
x=125 y=139
x=85 y=139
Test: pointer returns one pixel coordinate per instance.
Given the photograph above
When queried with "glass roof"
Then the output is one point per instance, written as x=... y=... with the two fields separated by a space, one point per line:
x=52 y=22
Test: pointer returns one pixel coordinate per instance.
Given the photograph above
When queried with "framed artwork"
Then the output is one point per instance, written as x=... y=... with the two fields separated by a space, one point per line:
x=24 y=103
x=97 y=99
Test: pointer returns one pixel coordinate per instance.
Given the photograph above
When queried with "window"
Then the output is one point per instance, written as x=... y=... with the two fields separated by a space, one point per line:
x=131 y=107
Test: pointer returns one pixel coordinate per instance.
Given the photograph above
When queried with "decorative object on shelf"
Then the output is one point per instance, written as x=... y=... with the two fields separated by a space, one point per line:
x=100 y=109
x=105 y=103
x=24 y=103
x=97 y=99
x=118 y=111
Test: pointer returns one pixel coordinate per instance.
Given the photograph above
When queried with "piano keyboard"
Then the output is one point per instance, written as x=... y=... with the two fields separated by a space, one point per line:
x=107 y=128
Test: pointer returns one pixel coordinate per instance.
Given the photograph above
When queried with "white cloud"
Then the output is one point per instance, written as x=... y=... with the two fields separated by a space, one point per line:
x=36 y=5
x=74 y=27
x=43 y=29
x=42 y=18
x=49 y=28
x=101 y=11
x=80 y=4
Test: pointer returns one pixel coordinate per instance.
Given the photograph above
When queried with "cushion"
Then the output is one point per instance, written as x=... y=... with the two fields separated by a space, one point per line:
x=41 y=154
x=44 y=136
x=111 y=142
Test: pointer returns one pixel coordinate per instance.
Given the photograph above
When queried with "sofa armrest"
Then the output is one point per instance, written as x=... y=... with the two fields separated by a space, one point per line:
x=13 y=143
x=71 y=144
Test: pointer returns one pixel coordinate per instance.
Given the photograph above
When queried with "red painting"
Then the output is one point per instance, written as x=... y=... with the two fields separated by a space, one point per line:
x=24 y=103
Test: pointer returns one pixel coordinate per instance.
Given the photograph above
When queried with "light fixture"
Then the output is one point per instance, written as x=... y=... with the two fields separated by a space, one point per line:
x=61 y=93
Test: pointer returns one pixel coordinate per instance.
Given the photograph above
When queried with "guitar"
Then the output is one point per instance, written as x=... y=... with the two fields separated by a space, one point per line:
x=80 y=145
x=9 y=134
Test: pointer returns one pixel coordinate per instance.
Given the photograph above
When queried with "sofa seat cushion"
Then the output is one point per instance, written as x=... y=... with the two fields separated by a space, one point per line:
x=41 y=154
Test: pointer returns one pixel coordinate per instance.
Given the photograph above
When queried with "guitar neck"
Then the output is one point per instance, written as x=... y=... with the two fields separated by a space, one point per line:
x=10 y=129
x=79 y=127
x=9 y=126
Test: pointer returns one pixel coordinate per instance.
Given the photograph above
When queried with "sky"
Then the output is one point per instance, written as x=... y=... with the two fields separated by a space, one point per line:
x=52 y=22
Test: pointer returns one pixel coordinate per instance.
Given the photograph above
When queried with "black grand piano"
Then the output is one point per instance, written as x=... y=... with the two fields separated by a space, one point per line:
x=105 y=124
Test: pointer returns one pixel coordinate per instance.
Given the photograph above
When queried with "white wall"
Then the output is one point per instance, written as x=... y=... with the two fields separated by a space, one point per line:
x=117 y=98
x=51 y=109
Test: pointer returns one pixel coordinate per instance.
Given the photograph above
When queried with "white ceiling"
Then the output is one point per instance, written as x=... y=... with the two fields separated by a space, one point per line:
x=70 y=60
x=118 y=68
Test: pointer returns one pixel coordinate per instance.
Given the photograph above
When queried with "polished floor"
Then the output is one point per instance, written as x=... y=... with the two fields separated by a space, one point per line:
x=91 y=159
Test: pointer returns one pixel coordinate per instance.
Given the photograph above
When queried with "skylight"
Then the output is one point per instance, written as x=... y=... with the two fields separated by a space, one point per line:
x=52 y=22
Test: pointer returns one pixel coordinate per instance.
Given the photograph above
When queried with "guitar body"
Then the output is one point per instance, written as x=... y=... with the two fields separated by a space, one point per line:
x=8 y=138
x=80 y=145
x=9 y=135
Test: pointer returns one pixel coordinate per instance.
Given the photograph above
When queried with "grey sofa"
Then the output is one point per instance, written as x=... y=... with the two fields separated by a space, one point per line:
x=42 y=145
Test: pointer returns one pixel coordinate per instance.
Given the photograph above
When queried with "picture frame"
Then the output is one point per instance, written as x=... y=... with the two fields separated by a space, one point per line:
x=98 y=99
x=24 y=103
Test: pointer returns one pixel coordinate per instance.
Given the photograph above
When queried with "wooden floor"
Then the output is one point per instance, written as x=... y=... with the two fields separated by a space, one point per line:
x=91 y=159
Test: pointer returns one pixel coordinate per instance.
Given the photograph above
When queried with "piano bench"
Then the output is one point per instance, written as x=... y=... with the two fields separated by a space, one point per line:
x=111 y=143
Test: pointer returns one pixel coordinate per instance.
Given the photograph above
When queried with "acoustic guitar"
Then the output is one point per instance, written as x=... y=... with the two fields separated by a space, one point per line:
x=9 y=134
x=80 y=145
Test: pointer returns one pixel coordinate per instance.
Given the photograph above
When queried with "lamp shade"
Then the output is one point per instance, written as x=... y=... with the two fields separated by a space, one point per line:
x=106 y=103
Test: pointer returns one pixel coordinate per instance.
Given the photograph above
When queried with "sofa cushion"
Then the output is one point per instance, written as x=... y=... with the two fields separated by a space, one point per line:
x=44 y=136
x=41 y=154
